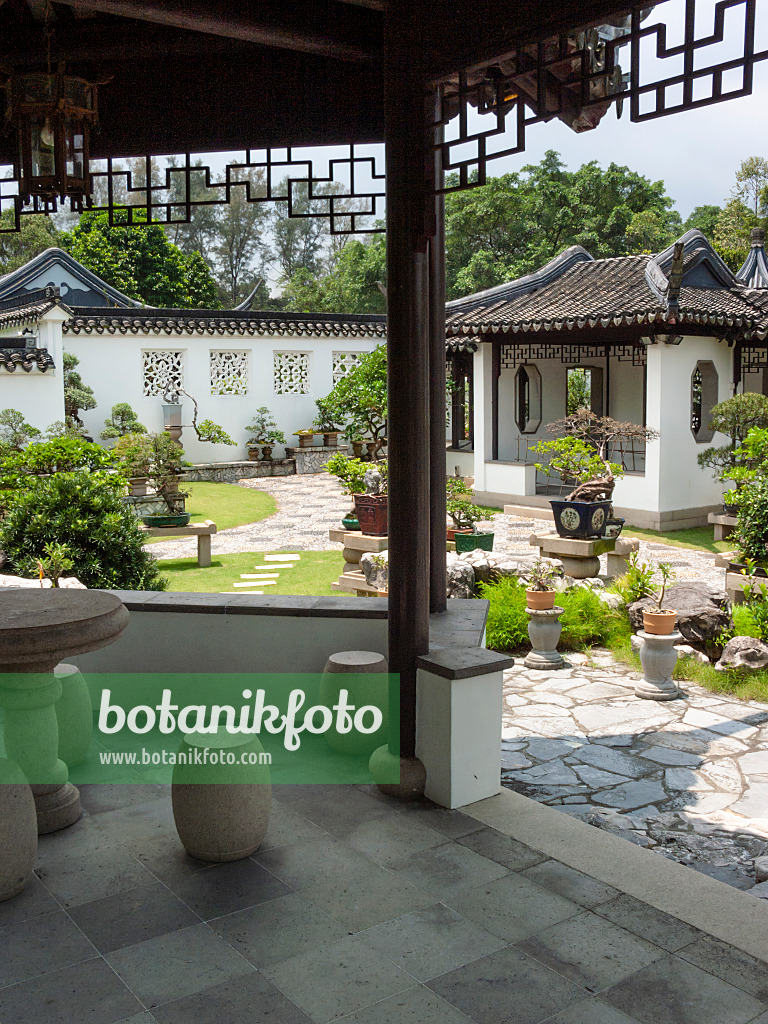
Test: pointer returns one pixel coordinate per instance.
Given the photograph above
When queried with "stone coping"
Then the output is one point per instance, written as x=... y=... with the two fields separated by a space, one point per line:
x=720 y=910
x=462 y=625
x=465 y=664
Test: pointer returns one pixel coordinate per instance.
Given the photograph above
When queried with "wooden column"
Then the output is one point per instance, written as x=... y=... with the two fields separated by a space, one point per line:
x=408 y=228
x=437 y=374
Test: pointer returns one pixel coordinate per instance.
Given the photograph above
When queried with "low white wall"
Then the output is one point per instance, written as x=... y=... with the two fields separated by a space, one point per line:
x=39 y=397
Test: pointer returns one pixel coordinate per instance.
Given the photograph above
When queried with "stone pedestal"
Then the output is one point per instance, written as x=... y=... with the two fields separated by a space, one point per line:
x=313 y=457
x=203 y=531
x=355 y=544
x=658 y=657
x=580 y=558
x=724 y=525
x=38 y=629
x=74 y=715
x=544 y=631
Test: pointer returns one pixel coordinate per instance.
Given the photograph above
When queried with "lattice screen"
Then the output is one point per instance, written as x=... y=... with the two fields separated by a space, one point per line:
x=291 y=373
x=344 y=363
x=229 y=372
x=162 y=370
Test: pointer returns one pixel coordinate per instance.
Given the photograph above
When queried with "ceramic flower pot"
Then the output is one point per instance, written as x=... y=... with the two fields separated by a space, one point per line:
x=473 y=541
x=580 y=519
x=371 y=512
x=161 y=519
x=540 y=600
x=662 y=623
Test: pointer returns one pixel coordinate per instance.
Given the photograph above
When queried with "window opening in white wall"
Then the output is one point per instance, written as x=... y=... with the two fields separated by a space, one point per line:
x=229 y=372
x=291 y=373
x=163 y=370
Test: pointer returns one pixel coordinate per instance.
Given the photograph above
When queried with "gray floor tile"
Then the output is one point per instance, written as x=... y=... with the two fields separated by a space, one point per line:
x=333 y=808
x=177 y=964
x=503 y=849
x=98 y=799
x=452 y=824
x=389 y=839
x=33 y=900
x=590 y=951
x=87 y=993
x=225 y=888
x=446 y=870
x=513 y=907
x=92 y=874
x=414 y=1006
x=506 y=986
x=304 y=863
x=250 y=997
x=338 y=979
x=648 y=922
x=40 y=945
x=286 y=827
x=672 y=991
x=574 y=885
x=139 y=1018
x=365 y=897
x=431 y=942
x=591 y=1011
x=133 y=916
x=278 y=930
x=729 y=964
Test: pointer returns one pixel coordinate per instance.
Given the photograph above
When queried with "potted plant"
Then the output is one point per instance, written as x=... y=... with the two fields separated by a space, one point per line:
x=581 y=456
x=371 y=507
x=263 y=434
x=540 y=591
x=164 y=468
x=133 y=453
x=744 y=419
x=306 y=437
x=458 y=506
x=658 y=620
x=325 y=424
x=351 y=476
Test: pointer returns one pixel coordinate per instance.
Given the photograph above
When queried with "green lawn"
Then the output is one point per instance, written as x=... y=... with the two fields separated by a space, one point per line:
x=312 y=574
x=699 y=537
x=227 y=505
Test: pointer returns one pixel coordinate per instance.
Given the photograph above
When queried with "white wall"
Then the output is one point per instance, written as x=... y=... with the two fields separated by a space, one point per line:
x=112 y=365
x=39 y=397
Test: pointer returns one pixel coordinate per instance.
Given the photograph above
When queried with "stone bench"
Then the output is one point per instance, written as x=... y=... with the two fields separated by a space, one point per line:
x=203 y=532
x=581 y=558
x=724 y=525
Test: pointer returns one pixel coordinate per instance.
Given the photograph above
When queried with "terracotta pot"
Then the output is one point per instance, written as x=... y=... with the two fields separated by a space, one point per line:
x=540 y=600
x=661 y=623
x=371 y=512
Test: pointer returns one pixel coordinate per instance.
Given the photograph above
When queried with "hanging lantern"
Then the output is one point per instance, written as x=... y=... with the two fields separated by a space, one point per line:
x=52 y=115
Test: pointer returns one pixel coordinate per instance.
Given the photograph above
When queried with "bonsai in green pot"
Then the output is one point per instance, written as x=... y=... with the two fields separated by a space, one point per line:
x=465 y=515
x=164 y=468
x=351 y=475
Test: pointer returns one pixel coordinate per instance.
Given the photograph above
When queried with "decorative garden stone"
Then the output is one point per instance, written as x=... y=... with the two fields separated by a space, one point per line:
x=658 y=658
x=74 y=715
x=745 y=652
x=544 y=631
x=364 y=675
x=703 y=611
x=38 y=629
x=18 y=830
x=460 y=578
x=221 y=811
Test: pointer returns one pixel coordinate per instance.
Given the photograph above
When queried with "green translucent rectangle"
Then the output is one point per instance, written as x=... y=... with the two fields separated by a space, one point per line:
x=183 y=727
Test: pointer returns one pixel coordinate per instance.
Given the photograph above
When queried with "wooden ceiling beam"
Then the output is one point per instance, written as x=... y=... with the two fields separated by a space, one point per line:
x=231 y=22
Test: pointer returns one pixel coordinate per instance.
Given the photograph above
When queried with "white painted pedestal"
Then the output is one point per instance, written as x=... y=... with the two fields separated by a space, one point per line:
x=658 y=657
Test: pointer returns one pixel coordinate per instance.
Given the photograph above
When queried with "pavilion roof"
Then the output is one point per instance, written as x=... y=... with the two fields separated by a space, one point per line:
x=590 y=293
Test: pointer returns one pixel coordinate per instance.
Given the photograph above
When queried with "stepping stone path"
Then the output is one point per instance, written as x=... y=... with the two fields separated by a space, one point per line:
x=266 y=579
x=687 y=778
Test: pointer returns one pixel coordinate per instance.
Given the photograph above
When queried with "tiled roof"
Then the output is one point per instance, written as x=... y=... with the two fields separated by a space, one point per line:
x=12 y=359
x=623 y=290
x=230 y=322
x=754 y=272
x=30 y=313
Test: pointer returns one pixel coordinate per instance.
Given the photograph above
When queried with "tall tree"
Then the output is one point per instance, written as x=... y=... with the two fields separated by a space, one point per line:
x=240 y=252
x=705 y=219
x=38 y=233
x=297 y=242
x=751 y=182
x=354 y=285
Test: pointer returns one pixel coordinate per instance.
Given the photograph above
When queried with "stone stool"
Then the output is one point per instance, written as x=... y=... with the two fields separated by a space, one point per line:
x=74 y=715
x=364 y=675
x=221 y=811
x=658 y=657
x=544 y=631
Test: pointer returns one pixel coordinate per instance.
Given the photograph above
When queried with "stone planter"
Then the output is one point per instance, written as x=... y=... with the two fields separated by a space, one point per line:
x=74 y=715
x=544 y=631
x=357 y=449
x=331 y=439
x=221 y=811
x=266 y=452
x=18 y=830
x=364 y=675
x=658 y=658
x=253 y=452
x=137 y=486
x=306 y=440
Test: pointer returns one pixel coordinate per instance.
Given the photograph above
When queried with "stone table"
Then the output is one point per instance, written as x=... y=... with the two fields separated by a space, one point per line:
x=203 y=532
x=724 y=524
x=38 y=629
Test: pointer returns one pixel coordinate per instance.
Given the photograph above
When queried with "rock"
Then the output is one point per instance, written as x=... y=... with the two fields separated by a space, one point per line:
x=761 y=869
x=761 y=890
x=686 y=651
x=743 y=652
x=612 y=601
x=376 y=569
x=71 y=583
x=459 y=578
x=703 y=611
x=65 y=583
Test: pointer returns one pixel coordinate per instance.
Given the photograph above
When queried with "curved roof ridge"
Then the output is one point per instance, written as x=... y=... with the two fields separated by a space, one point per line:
x=754 y=271
x=19 y=278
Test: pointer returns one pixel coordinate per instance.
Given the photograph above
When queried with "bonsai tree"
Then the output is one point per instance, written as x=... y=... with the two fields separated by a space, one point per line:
x=582 y=454
x=359 y=401
x=164 y=463
x=736 y=417
x=263 y=429
x=123 y=420
x=77 y=396
x=324 y=422
x=133 y=453
x=541 y=576
x=15 y=432
x=206 y=430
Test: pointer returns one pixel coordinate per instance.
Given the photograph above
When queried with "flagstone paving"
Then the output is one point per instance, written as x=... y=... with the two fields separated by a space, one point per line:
x=688 y=777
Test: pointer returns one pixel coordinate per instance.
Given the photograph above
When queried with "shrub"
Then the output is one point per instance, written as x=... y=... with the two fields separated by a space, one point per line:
x=585 y=620
x=350 y=472
x=123 y=420
x=92 y=526
x=60 y=455
x=751 y=533
x=15 y=432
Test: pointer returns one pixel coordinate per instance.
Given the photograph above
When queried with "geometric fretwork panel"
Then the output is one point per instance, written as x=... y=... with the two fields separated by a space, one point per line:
x=514 y=353
x=754 y=358
x=163 y=370
x=291 y=373
x=229 y=373
x=344 y=363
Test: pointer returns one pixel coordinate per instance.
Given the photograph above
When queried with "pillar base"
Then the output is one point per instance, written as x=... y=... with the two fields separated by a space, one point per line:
x=56 y=808
x=413 y=775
